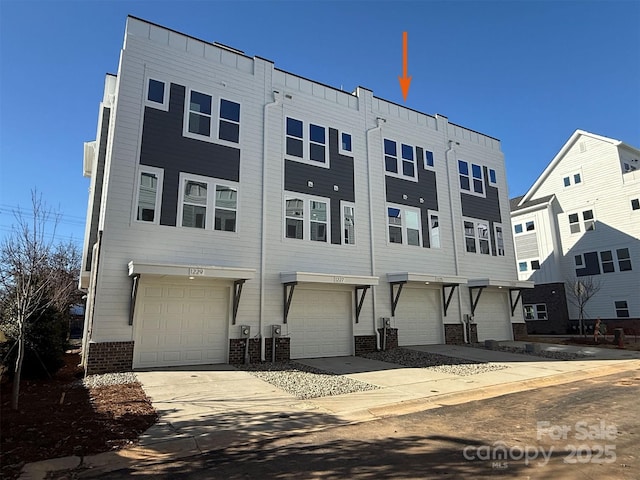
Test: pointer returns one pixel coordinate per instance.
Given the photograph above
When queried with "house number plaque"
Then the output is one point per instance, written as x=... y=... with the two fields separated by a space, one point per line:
x=196 y=271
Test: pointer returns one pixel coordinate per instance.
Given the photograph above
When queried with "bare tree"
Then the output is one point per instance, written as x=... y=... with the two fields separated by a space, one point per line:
x=35 y=274
x=579 y=291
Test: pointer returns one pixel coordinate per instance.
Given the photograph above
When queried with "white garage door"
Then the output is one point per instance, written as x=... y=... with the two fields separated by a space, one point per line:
x=492 y=316
x=418 y=317
x=181 y=324
x=319 y=324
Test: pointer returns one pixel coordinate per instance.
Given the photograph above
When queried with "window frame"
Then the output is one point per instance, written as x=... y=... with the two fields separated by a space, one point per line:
x=573 y=224
x=306 y=141
x=471 y=179
x=400 y=160
x=493 y=181
x=344 y=204
x=635 y=204
x=621 y=308
x=341 y=150
x=536 y=311
x=306 y=217
x=231 y=121
x=476 y=223
x=430 y=215
x=210 y=215
x=569 y=179
x=403 y=225
x=164 y=106
x=159 y=173
x=497 y=226
x=215 y=118
x=425 y=152
x=625 y=259
x=610 y=263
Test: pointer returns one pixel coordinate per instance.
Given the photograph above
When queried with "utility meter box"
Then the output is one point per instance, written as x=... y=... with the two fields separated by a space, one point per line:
x=386 y=322
x=245 y=331
x=276 y=330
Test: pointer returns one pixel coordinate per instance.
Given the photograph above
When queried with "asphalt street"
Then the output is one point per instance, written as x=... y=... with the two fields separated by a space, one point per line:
x=581 y=430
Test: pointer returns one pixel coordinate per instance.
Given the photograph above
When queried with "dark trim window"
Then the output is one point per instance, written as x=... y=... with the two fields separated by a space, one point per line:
x=624 y=259
x=622 y=308
x=635 y=204
x=535 y=312
x=535 y=264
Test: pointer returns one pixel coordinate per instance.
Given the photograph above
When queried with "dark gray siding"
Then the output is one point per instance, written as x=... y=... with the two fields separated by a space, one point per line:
x=164 y=146
x=97 y=193
x=591 y=265
x=297 y=175
x=424 y=188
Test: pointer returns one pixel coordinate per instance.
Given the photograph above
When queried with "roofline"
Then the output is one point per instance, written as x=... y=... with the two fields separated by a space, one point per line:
x=533 y=208
x=556 y=159
x=241 y=53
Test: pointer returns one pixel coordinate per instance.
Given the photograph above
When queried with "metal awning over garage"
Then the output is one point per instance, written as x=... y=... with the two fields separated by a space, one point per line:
x=480 y=284
x=237 y=274
x=362 y=283
x=449 y=282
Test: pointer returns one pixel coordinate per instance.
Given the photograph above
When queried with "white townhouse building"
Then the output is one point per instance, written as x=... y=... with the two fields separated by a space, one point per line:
x=240 y=212
x=579 y=220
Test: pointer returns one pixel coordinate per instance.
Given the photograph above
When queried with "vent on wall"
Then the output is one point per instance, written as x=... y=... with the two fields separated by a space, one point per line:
x=583 y=147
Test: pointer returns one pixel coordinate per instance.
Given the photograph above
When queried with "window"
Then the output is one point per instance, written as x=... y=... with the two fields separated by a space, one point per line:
x=156 y=91
x=573 y=179
x=194 y=204
x=348 y=224
x=517 y=228
x=578 y=260
x=390 y=156
x=589 y=223
x=530 y=226
x=624 y=260
x=408 y=161
x=317 y=143
x=576 y=178
x=499 y=240
x=574 y=223
x=428 y=159
x=404 y=226
x=226 y=207
x=566 y=181
x=345 y=142
x=478 y=186
x=622 y=309
x=463 y=170
x=522 y=266
x=434 y=231
x=535 y=312
x=535 y=264
x=635 y=204
x=307 y=218
x=606 y=262
x=476 y=235
x=294 y=138
x=492 y=177
x=148 y=195
x=473 y=183
x=207 y=203
x=229 y=127
x=199 y=113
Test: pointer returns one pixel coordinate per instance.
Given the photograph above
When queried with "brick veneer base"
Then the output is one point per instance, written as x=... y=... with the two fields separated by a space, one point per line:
x=283 y=348
x=237 y=347
x=519 y=330
x=106 y=357
x=453 y=334
x=364 y=344
x=392 y=338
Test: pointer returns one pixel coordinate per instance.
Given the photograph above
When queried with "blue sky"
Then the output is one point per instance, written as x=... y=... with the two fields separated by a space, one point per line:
x=528 y=73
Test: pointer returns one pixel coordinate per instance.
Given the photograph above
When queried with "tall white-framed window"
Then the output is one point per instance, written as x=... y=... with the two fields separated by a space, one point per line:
x=306 y=142
x=148 y=194
x=156 y=93
x=348 y=218
x=434 y=230
x=199 y=110
x=493 y=179
x=429 y=162
x=408 y=161
x=404 y=225
x=574 y=223
x=229 y=123
x=499 y=236
x=624 y=259
x=345 y=143
x=307 y=217
x=476 y=236
x=390 y=156
x=400 y=160
x=211 y=118
x=471 y=178
x=207 y=203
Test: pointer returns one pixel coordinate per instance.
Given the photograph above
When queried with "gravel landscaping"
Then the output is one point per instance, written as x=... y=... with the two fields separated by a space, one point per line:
x=541 y=353
x=434 y=362
x=92 y=381
x=304 y=381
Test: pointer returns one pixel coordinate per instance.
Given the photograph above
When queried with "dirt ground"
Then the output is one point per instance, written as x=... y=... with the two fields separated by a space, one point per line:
x=57 y=418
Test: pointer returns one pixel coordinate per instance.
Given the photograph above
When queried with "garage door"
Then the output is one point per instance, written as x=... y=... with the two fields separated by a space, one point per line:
x=492 y=316
x=181 y=324
x=418 y=317
x=319 y=324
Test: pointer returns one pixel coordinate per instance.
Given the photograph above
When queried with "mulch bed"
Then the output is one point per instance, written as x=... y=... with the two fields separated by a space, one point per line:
x=57 y=418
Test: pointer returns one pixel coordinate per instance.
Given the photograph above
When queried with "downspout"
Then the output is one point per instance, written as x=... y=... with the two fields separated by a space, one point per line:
x=263 y=240
x=379 y=122
x=450 y=150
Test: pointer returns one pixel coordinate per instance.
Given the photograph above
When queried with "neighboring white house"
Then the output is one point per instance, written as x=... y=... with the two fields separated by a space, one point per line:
x=231 y=200
x=580 y=221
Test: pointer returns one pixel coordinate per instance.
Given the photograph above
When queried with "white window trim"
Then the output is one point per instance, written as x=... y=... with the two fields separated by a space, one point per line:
x=399 y=158
x=475 y=222
x=523 y=223
x=526 y=264
x=493 y=184
x=424 y=158
x=159 y=172
x=613 y=261
x=575 y=265
x=535 y=312
x=211 y=202
x=341 y=151
x=529 y=265
x=471 y=191
x=164 y=106
x=571 y=176
x=615 y=309
x=306 y=219
x=342 y=223
x=306 y=141
x=403 y=209
x=495 y=236
x=431 y=213
x=215 y=117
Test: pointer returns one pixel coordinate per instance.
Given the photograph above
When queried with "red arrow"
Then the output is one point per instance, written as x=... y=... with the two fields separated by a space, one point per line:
x=405 y=81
